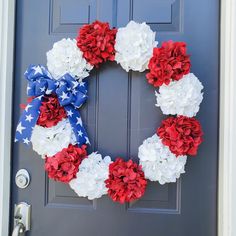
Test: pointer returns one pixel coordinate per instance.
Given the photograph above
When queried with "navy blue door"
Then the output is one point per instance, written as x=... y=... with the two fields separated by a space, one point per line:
x=119 y=116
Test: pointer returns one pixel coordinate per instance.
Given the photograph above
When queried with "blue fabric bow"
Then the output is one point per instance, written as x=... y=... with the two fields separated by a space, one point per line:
x=71 y=95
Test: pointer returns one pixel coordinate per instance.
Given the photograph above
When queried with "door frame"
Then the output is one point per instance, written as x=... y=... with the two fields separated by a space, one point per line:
x=7 y=31
x=227 y=148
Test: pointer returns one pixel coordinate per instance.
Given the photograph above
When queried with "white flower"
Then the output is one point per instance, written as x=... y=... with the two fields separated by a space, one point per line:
x=66 y=57
x=134 y=46
x=158 y=163
x=181 y=97
x=49 y=141
x=90 y=179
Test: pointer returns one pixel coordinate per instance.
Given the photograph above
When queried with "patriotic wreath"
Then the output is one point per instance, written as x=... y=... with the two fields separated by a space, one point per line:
x=52 y=123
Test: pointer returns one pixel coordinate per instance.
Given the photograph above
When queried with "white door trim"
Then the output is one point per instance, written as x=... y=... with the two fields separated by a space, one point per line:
x=227 y=159
x=227 y=152
x=7 y=22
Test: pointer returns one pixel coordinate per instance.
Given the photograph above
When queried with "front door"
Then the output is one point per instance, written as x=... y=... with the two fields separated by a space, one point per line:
x=119 y=115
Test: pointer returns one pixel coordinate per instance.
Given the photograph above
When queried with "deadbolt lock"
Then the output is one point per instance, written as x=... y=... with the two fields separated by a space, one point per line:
x=22 y=178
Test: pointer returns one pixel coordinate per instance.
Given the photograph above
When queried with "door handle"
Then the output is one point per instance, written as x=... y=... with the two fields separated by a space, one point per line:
x=19 y=230
x=22 y=217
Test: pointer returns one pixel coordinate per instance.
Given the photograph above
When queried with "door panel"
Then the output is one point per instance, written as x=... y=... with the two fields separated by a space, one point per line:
x=119 y=115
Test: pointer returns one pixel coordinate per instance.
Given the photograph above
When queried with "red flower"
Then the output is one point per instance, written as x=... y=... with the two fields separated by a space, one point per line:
x=181 y=134
x=64 y=165
x=96 y=41
x=51 y=112
x=126 y=181
x=169 y=62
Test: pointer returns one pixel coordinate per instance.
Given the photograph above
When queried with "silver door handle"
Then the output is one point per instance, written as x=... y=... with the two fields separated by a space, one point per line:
x=22 y=217
x=19 y=230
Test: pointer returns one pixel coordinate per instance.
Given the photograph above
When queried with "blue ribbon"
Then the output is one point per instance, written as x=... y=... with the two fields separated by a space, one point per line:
x=71 y=95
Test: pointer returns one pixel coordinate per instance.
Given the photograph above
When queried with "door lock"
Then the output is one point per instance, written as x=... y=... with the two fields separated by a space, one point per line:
x=22 y=217
x=22 y=178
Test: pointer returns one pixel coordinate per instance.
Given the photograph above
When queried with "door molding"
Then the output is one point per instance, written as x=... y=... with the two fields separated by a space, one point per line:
x=7 y=23
x=227 y=139
x=227 y=147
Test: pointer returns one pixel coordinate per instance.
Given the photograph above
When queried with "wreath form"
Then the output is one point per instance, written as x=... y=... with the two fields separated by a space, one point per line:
x=52 y=123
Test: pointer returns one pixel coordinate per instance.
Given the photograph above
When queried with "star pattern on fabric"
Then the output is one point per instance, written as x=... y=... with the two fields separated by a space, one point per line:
x=20 y=128
x=26 y=141
x=42 y=83
x=77 y=125
x=28 y=121
x=75 y=84
x=79 y=121
x=37 y=70
x=74 y=92
x=70 y=113
x=27 y=107
x=64 y=96
x=42 y=89
x=80 y=133
x=81 y=84
x=29 y=117
x=87 y=140
x=49 y=91
x=40 y=97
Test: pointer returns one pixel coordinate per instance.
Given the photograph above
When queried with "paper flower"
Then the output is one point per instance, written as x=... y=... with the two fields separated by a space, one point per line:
x=90 y=179
x=49 y=141
x=158 y=163
x=134 y=46
x=169 y=62
x=181 y=134
x=181 y=97
x=66 y=57
x=126 y=181
x=51 y=112
x=64 y=165
x=96 y=41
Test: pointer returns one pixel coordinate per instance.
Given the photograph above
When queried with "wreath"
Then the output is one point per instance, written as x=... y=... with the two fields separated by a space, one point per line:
x=52 y=123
